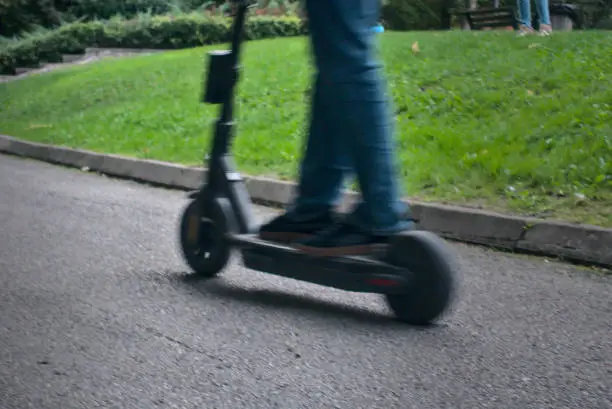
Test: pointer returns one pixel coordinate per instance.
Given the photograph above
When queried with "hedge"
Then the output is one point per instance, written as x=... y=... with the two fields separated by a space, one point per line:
x=414 y=14
x=158 y=32
x=105 y=9
x=19 y=16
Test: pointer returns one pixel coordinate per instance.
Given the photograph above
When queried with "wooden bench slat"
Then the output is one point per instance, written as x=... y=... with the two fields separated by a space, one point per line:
x=490 y=21
x=479 y=19
x=476 y=26
x=497 y=17
x=477 y=12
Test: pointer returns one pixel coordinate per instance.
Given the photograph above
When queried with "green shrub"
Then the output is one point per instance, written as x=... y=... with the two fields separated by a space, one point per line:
x=605 y=23
x=415 y=14
x=5 y=41
x=20 y=15
x=157 y=32
x=105 y=9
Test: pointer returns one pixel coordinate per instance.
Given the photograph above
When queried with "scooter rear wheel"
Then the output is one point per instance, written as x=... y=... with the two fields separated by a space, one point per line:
x=203 y=231
x=426 y=256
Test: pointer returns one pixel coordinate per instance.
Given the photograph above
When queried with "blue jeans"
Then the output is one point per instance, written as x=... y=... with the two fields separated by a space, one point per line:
x=351 y=127
x=524 y=8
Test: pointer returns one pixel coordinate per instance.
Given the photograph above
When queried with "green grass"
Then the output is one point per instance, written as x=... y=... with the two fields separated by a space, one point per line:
x=521 y=125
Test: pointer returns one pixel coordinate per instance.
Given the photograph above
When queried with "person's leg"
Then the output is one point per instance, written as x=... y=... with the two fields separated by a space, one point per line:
x=524 y=16
x=345 y=53
x=544 y=16
x=321 y=175
x=325 y=161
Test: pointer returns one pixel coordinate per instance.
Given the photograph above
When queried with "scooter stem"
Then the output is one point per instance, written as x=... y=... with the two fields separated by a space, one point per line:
x=228 y=78
x=235 y=48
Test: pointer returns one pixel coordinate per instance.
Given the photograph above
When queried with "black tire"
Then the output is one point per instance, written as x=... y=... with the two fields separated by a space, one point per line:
x=432 y=288
x=203 y=240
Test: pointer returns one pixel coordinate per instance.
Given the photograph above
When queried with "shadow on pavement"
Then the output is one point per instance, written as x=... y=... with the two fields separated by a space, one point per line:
x=305 y=305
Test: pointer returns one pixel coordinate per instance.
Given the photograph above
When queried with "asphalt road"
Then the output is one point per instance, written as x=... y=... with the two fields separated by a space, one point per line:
x=96 y=312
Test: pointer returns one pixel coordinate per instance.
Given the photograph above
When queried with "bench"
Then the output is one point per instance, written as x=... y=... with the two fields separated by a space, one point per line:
x=487 y=18
x=564 y=16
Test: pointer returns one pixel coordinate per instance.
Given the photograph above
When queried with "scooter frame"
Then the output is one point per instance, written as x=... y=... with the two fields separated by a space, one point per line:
x=220 y=218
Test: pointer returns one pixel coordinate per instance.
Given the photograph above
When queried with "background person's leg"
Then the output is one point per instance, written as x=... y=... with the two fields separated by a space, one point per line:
x=544 y=16
x=524 y=16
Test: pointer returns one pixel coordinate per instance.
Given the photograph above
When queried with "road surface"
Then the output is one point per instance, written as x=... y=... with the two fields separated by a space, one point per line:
x=97 y=311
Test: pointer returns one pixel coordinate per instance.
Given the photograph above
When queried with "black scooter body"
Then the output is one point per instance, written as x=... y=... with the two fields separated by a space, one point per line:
x=415 y=272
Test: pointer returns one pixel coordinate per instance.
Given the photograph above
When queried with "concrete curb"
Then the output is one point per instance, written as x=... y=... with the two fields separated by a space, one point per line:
x=578 y=243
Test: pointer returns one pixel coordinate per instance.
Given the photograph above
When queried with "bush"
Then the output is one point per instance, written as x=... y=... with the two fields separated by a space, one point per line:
x=21 y=15
x=105 y=9
x=157 y=32
x=604 y=23
x=415 y=14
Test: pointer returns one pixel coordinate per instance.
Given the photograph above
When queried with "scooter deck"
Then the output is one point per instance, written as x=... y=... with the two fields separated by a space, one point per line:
x=356 y=274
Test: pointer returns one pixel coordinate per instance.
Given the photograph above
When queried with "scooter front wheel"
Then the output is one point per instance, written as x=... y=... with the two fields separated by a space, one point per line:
x=203 y=237
x=432 y=289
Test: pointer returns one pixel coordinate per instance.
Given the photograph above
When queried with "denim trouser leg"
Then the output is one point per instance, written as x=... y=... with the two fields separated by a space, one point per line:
x=524 y=12
x=325 y=162
x=543 y=11
x=524 y=8
x=356 y=122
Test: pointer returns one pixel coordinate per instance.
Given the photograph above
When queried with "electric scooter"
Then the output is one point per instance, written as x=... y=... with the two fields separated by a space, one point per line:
x=415 y=272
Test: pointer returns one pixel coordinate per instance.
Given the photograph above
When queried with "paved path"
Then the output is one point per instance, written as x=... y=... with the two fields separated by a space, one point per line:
x=95 y=312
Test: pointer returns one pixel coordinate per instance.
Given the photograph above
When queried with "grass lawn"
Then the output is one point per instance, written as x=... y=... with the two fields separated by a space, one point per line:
x=521 y=125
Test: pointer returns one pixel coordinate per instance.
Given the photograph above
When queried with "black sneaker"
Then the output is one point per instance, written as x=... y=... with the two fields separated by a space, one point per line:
x=342 y=240
x=284 y=229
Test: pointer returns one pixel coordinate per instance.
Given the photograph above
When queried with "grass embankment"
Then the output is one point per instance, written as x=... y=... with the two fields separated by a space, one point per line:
x=484 y=119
